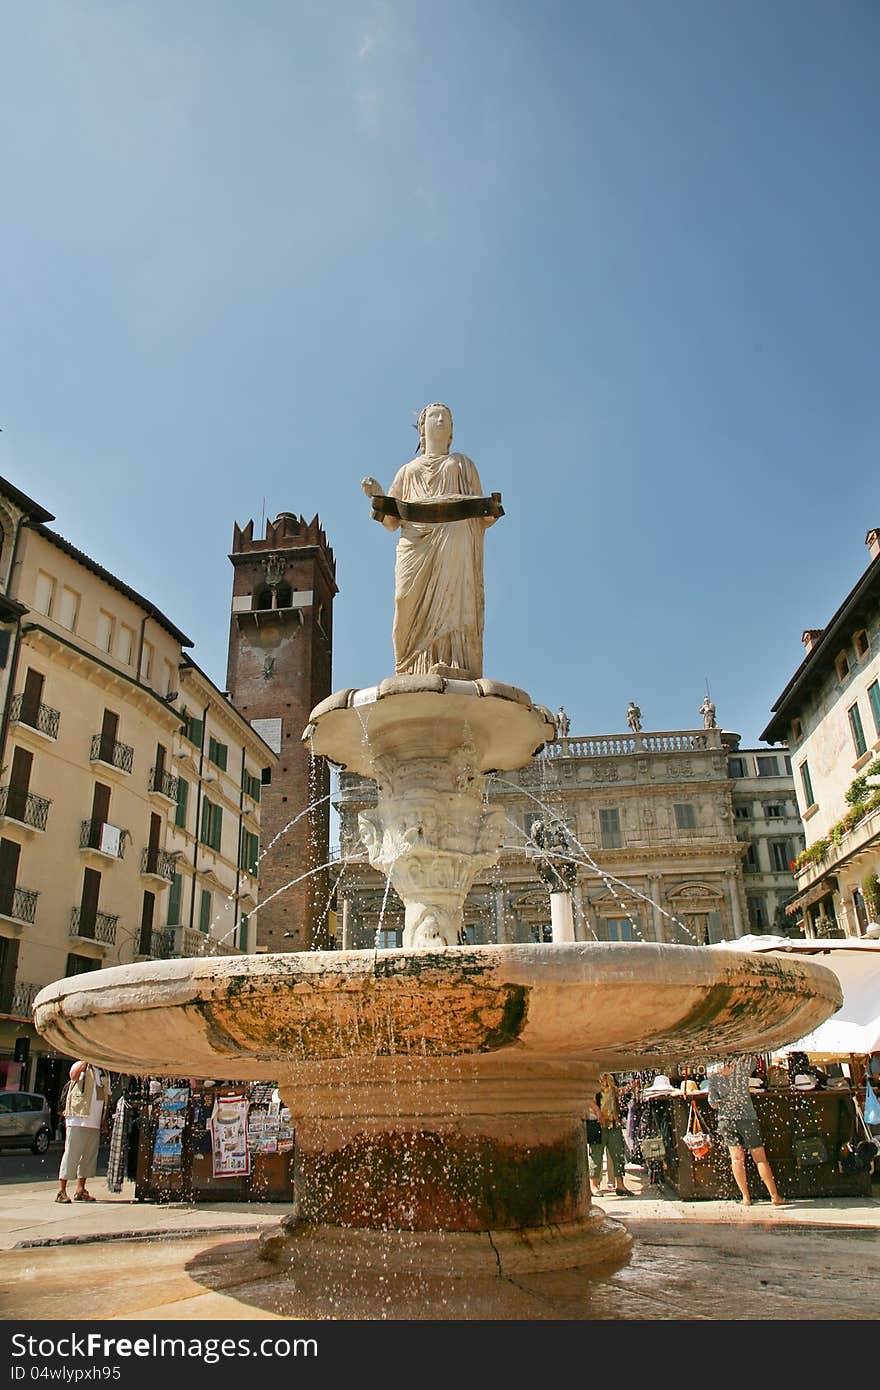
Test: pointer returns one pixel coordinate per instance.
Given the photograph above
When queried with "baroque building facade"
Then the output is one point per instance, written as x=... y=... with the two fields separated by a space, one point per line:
x=651 y=822
x=130 y=796
x=829 y=714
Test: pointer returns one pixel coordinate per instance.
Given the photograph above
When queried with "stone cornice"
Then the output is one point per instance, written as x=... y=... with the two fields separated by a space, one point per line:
x=100 y=673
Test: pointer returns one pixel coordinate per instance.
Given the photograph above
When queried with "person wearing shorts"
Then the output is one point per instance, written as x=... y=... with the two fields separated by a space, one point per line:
x=738 y=1126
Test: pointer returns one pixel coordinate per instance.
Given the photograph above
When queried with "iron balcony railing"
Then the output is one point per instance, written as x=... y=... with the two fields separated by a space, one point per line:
x=111 y=752
x=161 y=944
x=25 y=807
x=101 y=836
x=18 y=999
x=42 y=718
x=94 y=926
x=158 y=862
x=18 y=903
x=163 y=783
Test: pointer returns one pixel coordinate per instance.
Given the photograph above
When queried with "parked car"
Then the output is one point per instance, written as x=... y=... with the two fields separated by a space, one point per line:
x=25 y=1121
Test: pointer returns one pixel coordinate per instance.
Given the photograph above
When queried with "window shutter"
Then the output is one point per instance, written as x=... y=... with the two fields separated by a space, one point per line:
x=182 y=793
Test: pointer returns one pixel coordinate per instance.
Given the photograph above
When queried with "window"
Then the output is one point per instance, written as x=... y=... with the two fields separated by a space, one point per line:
x=773 y=810
x=10 y=851
x=283 y=596
x=170 y=677
x=217 y=753
x=250 y=851
x=736 y=767
x=192 y=728
x=807 y=781
x=757 y=913
x=841 y=665
x=685 y=816
x=212 y=824
x=182 y=794
x=874 y=700
x=205 y=911
x=742 y=812
x=768 y=767
x=266 y=776
x=68 y=608
x=148 y=907
x=861 y=643
x=251 y=786
x=750 y=863
x=174 y=897
x=104 y=631
x=618 y=929
x=780 y=853
x=81 y=965
x=858 y=733
x=44 y=593
x=125 y=648
x=797 y=730
x=609 y=826
x=147 y=661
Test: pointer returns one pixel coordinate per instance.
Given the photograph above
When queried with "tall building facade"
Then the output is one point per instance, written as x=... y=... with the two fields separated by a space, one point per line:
x=280 y=667
x=129 y=804
x=767 y=821
x=652 y=827
x=829 y=714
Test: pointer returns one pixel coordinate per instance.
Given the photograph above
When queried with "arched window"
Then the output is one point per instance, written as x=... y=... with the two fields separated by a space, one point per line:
x=285 y=595
x=263 y=598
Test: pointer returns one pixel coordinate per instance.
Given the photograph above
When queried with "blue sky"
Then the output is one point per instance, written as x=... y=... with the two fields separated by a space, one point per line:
x=633 y=245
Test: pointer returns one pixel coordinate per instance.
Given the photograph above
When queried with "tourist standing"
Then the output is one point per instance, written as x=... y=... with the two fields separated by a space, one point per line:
x=87 y=1095
x=611 y=1144
x=738 y=1127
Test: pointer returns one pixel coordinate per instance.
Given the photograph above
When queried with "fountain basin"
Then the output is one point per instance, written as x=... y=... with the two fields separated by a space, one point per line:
x=440 y=1091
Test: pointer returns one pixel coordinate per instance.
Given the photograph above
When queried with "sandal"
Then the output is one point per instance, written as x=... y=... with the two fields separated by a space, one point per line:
x=83 y=1197
x=61 y=1197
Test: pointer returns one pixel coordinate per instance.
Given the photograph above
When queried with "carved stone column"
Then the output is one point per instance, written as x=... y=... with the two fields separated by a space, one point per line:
x=735 y=913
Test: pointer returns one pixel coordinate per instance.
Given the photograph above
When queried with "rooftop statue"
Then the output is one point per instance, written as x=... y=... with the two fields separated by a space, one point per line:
x=436 y=503
x=634 y=717
x=707 y=710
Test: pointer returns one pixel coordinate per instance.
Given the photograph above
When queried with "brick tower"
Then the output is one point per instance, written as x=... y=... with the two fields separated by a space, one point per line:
x=280 y=657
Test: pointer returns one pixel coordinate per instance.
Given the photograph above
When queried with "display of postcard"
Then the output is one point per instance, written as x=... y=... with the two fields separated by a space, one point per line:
x=175 y=1098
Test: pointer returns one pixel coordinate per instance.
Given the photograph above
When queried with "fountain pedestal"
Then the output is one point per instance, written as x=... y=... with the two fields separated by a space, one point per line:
x=428 y=742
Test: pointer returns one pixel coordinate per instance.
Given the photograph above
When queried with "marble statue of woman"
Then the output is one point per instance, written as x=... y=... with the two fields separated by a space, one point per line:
x=437 y=505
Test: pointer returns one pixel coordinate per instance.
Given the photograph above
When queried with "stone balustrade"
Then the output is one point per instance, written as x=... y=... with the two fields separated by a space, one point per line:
x=616 y=745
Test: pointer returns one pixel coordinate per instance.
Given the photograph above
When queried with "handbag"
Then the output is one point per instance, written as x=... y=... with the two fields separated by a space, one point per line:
x=653 y=1148
x=696 y=1138
x=809 y=1151
x=872 y=1105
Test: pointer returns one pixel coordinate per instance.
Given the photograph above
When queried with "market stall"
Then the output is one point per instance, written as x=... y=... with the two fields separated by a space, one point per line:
x=805 y=1134
x=215 y=1142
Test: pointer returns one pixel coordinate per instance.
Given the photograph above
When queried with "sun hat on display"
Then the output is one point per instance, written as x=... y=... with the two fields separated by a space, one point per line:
x=662 y=1086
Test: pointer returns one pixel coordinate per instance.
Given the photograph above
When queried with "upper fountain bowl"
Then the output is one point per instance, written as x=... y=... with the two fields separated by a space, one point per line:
x=425 y=716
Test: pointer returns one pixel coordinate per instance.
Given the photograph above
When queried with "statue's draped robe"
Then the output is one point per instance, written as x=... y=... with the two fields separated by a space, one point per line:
x=438 y=572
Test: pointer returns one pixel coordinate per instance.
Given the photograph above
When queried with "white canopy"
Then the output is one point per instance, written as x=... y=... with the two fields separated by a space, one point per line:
x=855 y=1028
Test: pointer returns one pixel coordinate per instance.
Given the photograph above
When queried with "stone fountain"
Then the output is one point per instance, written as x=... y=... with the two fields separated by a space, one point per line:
x=438 y=1091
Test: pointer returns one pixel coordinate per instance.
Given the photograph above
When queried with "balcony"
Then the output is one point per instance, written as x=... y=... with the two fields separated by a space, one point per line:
x=158 y=863
x=17 y=1001
x=42 y=718
x=18 y=904
x=190 y=941
x=102 y=838
x=24 y=807
x=163 y=784
x=93 y=926
x=112 y=753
